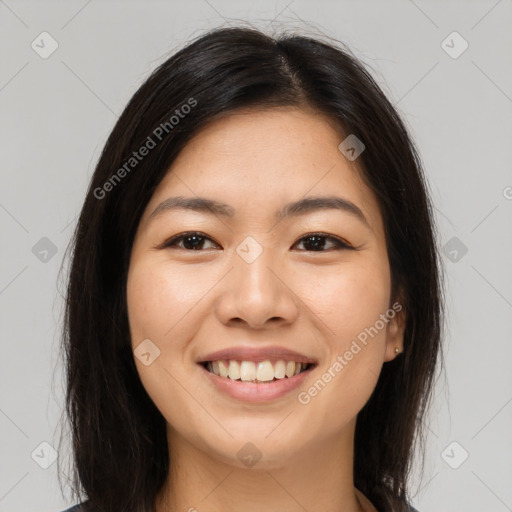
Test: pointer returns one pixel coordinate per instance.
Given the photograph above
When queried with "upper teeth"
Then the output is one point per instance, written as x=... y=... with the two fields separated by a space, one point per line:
x=263 y=371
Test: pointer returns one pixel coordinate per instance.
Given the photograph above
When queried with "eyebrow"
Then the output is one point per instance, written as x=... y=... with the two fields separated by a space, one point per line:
x=293 y=209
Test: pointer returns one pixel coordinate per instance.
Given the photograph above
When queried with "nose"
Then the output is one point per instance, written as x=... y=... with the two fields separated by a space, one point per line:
x=257 y=294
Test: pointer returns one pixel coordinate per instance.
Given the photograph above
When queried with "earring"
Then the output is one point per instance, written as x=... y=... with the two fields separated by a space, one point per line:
x=397 y=350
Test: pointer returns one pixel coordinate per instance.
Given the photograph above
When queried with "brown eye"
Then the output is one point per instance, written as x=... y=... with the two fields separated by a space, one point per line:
x=322 y=242
x=192 y=241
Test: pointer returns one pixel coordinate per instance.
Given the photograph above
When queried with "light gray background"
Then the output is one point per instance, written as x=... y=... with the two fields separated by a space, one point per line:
x=57 y=112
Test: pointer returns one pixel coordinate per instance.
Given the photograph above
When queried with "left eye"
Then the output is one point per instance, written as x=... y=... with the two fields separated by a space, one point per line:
x=322 y=242
x=194 y=241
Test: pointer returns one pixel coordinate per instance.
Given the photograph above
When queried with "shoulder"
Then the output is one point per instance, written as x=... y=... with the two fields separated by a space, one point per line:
x=75 y=508
x=80 y=508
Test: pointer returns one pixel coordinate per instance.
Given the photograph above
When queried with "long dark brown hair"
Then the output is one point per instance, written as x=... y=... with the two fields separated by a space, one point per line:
x=120 y=456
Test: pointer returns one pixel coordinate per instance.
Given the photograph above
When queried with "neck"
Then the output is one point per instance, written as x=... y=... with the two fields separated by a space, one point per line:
x=318 y=478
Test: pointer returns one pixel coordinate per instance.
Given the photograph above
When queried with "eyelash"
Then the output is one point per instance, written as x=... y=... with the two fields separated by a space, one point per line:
x=341 y=244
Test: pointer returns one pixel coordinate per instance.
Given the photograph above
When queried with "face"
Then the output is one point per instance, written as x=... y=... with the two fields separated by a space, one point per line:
x=288 y=264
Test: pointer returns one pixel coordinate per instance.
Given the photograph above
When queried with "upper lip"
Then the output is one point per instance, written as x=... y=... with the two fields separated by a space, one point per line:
x=256 y=354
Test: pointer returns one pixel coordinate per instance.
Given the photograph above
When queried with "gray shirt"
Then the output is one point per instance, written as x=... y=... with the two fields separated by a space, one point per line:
x=79 y=508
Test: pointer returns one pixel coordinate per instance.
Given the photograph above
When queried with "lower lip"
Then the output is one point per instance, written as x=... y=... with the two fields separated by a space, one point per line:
x=254 y=392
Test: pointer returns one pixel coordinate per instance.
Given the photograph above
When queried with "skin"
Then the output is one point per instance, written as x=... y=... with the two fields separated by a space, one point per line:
x=192 y=302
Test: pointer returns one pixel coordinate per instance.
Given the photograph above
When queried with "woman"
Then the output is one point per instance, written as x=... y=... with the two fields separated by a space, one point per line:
x=254 y=302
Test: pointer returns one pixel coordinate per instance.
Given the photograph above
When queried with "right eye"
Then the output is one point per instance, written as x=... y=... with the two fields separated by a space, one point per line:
x=190 y=241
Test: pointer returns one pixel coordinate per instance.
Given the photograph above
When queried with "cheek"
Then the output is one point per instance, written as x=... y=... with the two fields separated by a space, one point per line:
x=159 y=297
x=166 y=306
x=161 y=308
x=349 y=303
x=348 y=299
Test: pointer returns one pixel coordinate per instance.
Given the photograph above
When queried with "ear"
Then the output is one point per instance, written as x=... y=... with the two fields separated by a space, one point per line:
x=395 y=331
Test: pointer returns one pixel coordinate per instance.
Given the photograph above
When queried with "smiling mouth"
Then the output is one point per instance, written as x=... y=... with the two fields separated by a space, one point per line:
x=258 y=372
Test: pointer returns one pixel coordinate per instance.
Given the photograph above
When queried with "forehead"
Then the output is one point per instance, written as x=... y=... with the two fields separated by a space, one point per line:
x=257 y=160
